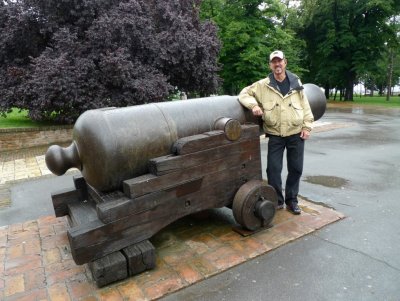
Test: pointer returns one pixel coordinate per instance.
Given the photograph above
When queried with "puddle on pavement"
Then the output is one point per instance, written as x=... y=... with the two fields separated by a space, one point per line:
x=327 y=181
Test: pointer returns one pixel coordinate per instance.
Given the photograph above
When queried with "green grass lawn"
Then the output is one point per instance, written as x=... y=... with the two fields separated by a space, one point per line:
x=17 y=119
x=372 y=100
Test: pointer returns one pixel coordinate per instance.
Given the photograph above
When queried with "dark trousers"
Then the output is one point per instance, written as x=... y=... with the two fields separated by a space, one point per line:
x=294 y=146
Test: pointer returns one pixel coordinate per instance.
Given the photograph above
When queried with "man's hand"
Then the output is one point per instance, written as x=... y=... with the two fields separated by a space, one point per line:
x=304 y=134
x=257 y=111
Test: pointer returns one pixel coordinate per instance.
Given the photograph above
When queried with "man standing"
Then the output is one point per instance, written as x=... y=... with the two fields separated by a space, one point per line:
x=287 y=120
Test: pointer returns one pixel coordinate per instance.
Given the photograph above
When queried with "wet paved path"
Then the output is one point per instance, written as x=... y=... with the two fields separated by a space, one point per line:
x=355 y=170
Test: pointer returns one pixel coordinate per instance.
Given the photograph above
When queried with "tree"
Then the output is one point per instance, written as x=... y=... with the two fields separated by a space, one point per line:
x=344 y=38
x=393 y=56
x=76 y=55
x=388 y=66
x=287 y=24
x=249 y=31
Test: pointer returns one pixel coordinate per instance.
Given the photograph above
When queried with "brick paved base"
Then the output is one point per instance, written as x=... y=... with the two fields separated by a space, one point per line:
x=36 y=263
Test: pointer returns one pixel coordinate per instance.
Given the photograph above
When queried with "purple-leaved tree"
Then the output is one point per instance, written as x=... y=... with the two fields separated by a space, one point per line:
x=60 y=58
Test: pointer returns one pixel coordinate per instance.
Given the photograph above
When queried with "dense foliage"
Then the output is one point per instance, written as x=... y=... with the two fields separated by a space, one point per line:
x=332 y=43
x=249 y=31
x=347 y=39
x=60 y=58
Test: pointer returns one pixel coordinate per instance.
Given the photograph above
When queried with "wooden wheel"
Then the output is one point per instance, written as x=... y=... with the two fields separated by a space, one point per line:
x=254 y=205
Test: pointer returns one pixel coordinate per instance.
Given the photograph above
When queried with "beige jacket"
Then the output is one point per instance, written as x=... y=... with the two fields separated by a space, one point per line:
x=283 y=115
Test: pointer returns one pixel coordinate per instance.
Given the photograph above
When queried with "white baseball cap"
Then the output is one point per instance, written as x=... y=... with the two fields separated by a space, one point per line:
x=276 y=53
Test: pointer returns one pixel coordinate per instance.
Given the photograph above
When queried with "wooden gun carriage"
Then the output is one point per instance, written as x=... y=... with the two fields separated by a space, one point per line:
x=191 y=156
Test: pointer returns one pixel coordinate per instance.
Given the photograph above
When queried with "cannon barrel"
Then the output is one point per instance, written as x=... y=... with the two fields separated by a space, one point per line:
x=111 y=145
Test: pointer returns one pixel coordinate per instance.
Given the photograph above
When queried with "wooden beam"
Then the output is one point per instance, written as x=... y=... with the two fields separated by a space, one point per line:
x=212 y=139
x=166 y=164
x=122 y=207
x=140 y=257
x=82 y=212
x=97 y=239
x=148 y=183
x=62 y=198
x=108 y=269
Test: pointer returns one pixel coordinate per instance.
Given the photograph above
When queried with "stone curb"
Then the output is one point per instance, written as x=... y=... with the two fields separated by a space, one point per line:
x=36 y=129
x=25 y=138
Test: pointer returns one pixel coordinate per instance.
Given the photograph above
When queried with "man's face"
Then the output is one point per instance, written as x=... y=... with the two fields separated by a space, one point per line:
x=277 y=65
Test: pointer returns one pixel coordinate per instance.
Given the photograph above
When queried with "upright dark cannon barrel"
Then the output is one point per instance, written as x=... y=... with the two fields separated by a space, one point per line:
x=114 y=144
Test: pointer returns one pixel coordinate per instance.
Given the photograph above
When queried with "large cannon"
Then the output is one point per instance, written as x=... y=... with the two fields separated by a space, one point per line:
x=146 y=166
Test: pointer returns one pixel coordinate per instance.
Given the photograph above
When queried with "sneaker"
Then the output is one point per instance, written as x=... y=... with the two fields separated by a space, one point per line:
x=293 y=208
x=279 y=206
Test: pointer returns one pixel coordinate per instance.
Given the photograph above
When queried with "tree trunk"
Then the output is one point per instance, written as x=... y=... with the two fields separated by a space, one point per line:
x=391 y=61
x=390 y=75
x=380 y=89
x=350 y=86
x=326 y=91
